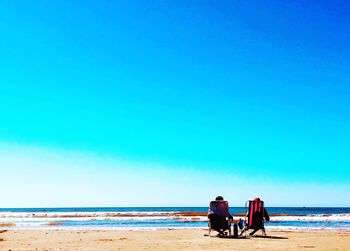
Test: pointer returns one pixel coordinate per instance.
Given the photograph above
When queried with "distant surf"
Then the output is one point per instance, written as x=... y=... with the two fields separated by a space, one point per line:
x=282 y=218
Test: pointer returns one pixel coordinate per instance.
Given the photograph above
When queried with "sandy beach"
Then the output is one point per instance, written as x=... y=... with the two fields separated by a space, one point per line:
x=166 y=240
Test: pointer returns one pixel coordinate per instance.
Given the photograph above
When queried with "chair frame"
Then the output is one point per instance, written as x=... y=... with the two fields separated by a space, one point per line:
x=224 y=231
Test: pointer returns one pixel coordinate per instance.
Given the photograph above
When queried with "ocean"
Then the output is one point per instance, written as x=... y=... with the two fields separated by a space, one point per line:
x=282 y=218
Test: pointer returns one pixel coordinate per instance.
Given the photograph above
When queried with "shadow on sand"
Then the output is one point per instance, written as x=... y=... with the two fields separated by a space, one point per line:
x=269 y=237
x=227 y=237
x=249 y=237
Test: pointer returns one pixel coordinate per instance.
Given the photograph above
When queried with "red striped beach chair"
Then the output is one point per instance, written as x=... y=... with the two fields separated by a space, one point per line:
x=256 y=214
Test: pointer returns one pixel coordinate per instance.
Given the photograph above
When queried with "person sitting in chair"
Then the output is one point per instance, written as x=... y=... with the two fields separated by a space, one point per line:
x=219 y=216
x=256 y=215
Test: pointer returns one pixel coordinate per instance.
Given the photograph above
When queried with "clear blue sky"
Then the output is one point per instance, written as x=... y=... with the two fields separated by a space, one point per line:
x=252 y=93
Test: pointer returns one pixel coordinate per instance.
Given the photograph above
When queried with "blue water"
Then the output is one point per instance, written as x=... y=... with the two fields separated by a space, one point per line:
x=233 y=210
x=100 y=217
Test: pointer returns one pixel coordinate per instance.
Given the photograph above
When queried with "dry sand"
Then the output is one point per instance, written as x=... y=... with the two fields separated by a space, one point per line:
x=166 y=240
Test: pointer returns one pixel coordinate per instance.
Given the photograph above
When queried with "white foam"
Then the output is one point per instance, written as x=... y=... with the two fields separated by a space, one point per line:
x=81 y=214
x=39 y=220
x=322 y=218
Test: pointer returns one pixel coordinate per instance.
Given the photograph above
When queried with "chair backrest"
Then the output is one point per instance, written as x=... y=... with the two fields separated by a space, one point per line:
x=219 y=207
x=255 y=211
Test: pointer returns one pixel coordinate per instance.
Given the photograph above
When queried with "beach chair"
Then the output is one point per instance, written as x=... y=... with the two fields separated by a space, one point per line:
x=255 y=216
x=219 y=218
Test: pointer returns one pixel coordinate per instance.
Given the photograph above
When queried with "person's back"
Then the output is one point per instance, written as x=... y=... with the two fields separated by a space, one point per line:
x=256 y=215
x=218 y=215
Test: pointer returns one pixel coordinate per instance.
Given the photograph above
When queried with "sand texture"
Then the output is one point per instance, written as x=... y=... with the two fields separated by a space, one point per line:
x=166 y=240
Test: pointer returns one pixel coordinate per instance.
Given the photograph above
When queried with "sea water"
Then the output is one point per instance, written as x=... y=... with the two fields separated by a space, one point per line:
x=282 y=218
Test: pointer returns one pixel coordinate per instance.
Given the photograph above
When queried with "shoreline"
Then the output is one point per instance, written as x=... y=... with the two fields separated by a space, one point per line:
x=289 y=220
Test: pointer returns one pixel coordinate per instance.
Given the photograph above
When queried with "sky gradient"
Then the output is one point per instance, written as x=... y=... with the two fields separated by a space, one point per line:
x=173 y=98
